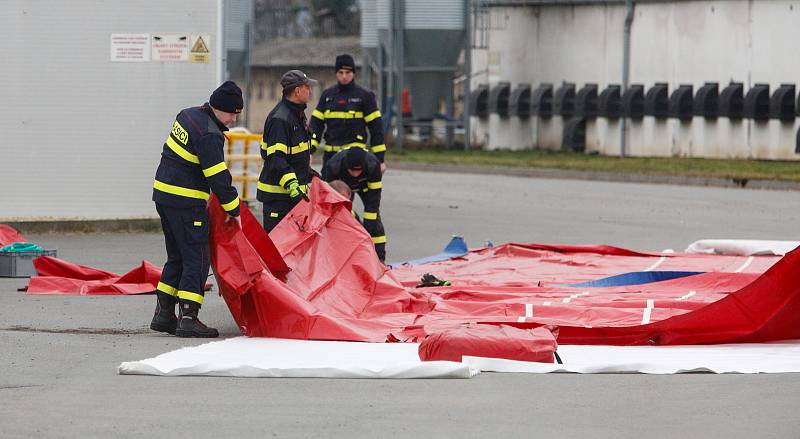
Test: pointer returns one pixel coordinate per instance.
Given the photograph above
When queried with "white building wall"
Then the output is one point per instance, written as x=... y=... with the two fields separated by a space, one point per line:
x=82 y=135
x=678 y=42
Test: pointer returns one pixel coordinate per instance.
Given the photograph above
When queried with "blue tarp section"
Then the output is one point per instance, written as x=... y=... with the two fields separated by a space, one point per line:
x=455 y=248
x=634 y=278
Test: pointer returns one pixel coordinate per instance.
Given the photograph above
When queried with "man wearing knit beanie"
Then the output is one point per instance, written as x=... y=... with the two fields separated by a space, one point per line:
x=227 y=97
x=192 y=167
x=361 y=172
x=345 y=113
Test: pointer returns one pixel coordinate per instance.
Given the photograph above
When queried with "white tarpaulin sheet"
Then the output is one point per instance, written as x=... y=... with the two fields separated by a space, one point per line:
x=778 y=357
x=742 y=247
x=269 y=357
x=281 y=358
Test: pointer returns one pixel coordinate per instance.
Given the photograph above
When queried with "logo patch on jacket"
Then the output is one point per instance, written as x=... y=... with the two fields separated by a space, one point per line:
x=355 y=100
x=342 y=101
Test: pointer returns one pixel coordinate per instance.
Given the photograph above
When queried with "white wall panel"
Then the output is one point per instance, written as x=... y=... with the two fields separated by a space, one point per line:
x=82 y=135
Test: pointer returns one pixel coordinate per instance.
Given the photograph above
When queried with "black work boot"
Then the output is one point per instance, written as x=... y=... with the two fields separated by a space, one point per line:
x=189 y=325
x=164 y=319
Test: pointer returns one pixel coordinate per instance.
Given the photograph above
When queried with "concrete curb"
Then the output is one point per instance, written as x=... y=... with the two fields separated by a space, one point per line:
x=566 y=174
x=87 y=226
x=138 y=225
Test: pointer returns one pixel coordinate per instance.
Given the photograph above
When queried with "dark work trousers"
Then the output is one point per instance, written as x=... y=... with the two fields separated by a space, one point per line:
x=188 y=259
x=275 y=210
x=374 y=228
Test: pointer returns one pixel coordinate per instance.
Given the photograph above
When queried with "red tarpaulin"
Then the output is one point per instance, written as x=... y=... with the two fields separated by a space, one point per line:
x=56 y=276
x=9 y=235
x=338 y=290
x=491 y=341
x=59 y=277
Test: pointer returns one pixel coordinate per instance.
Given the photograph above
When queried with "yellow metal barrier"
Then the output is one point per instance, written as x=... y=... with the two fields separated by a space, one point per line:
x=242 y=153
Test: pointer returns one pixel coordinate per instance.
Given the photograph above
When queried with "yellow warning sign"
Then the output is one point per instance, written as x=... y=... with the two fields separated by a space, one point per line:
x=200 y=51
x=200 y=46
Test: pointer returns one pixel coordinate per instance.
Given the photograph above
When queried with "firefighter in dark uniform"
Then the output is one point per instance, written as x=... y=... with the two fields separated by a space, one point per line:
x=286 y=150
x=192 y=166
x=361 y=171
x=344 y=114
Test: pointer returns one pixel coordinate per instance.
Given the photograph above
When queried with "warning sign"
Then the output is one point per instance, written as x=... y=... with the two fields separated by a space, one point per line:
x=170 y=47
x=200 y=51
x=130 y=47
x=200 y=46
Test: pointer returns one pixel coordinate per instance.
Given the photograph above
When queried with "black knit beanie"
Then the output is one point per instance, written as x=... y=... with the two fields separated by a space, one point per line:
x=227 y=97
x=345 y=61
x=355 y=158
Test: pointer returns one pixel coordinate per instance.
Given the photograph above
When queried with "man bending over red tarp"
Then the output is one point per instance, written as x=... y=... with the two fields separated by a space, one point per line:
x=338 y=290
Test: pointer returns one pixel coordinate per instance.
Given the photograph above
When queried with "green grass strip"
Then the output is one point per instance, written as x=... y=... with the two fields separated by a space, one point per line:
x=670 y=166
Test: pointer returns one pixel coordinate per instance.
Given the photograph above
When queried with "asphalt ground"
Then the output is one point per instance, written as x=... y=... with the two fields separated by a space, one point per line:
x=58 y=354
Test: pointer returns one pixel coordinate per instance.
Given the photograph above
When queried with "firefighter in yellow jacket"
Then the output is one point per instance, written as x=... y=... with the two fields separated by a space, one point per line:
x=286 y=150
x=344 y=114
x=192 y=166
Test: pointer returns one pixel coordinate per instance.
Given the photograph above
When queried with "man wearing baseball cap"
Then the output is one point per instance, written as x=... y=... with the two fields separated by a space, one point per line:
x=286 y=150
x=345 y=113
x=192 y=166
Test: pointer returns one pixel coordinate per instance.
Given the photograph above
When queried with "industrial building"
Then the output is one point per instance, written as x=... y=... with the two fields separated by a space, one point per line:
x=700 y=78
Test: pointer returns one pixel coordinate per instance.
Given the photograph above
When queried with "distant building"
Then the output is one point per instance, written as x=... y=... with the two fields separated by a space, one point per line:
x=705 y=78
x=314 y=56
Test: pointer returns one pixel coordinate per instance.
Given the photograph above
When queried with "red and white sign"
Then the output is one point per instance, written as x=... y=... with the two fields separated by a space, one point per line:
x=170 y=47
x=130 y=47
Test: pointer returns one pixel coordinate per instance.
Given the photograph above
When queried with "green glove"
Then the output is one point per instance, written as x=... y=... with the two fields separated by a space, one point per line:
x=297 y=190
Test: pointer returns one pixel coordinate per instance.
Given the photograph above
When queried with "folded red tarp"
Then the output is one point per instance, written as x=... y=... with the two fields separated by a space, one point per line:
x=9 y=235
x=491 y=341
x=56 y=276
x=338 y=290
